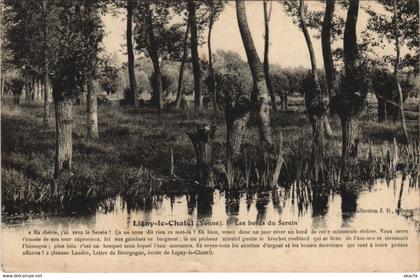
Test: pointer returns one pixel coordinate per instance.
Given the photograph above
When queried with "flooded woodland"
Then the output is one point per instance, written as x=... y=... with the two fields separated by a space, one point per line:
x=168 y=128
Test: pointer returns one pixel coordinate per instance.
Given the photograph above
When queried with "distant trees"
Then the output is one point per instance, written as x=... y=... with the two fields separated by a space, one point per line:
x=108 y=78
x=26 y=27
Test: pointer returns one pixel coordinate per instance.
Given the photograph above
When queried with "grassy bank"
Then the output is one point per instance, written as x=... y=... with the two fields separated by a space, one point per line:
x=132 y=155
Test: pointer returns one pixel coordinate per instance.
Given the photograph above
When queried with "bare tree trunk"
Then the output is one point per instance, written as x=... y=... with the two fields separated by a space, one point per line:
x=260 y=92
x=202 y=140
x=179 y=92
x=315 y=106
x=381 y=109
x=236 y=121
x=130 y=52
x=328 y=59
x=350 y=102
x=39 y=90
x=350 y=38
x=92 y=110
x=33 y=89
x=46 y=64
x=2 y=85
x=46 y=100
x=212 y=84
x=350 y=141
x=330 y=72
x=153 y=52
x=267 y=17
x=396 y=66
x=194 y=54
x=63 y=127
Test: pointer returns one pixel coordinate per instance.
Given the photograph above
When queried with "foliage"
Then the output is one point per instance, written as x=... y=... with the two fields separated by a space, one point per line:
x=382 y=23
x=75 y=44
x=109 y=78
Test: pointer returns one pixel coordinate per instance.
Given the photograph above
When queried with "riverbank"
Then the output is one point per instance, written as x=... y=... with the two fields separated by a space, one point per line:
x=132 y=156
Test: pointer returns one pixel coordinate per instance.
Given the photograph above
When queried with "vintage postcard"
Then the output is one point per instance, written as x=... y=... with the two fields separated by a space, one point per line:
x=210 y=136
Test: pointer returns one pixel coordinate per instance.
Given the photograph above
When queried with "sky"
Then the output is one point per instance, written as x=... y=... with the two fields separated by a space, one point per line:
x=288 y=47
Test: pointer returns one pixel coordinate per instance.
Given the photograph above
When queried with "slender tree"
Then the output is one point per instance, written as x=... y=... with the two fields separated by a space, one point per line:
x=194 y=53
x=91 y=84
x=180 y=89
x=158 y=39
x=328 y=57
x=153 y=52
x=350 y=101
x=396 y=67
x=397 y=23
x=260 y=93
x=267 y=17
x=130 y=51
x=315 y=105
x=46 y=80
x=314 y=20
x=212 y=81
x=330 y=72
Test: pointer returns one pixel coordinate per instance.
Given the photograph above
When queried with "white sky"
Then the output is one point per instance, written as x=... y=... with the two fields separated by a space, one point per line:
x=288 y=47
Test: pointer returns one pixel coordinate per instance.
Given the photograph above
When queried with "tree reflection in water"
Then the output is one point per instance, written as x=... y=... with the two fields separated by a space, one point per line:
x=349 y=195
x=232 y=205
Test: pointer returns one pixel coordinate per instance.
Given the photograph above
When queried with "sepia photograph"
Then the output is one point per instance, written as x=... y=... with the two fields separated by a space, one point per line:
x=210 y=136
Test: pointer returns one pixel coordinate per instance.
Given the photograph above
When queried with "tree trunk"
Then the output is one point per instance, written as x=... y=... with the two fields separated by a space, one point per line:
x=330 y=73
x=315 y=107
x=212 y=84
x=393 y=109
x=2 y=85
x=396 y=66
x=351 y=100
x=382 y=105
x=130 y=52
x=350 y=39
x=180 y=90
x=267 y=17
x=33 y=89
x=327 y=127
x=194 y=54
x=46 y=100
x=236 y=121
x=202 y=140
x=328 y=58
x=401 y=112
x=260 y=92
x=92 y=110
x=350 y=141
x=317 y=155
x=153 y=52
x=63 y=127
x=314 y=69
x=46 y=64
